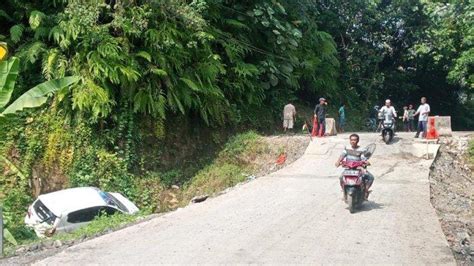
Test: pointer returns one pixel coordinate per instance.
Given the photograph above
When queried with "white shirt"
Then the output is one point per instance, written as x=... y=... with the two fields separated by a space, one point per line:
x=352 y=154
x=289 y=111
x=424 y=111
x=388 y=110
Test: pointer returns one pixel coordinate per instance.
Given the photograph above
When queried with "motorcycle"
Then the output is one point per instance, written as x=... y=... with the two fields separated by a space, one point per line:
x=354 y=184
x=387 y=129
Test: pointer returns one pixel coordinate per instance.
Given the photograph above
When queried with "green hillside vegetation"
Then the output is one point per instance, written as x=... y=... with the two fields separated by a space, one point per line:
x=155 y=94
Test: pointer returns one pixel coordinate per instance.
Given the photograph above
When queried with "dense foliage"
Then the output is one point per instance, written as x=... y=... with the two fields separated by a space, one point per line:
x=157 y=77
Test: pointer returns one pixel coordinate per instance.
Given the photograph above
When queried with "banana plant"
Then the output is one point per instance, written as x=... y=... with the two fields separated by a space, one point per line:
x=9 y=236
x=34 y=97
x=6 y=233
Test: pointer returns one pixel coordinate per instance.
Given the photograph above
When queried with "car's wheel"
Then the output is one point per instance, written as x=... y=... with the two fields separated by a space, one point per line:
x=50 y=232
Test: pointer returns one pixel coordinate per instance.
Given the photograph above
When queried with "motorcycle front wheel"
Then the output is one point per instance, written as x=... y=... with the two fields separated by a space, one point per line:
x=386 y=137
x=351 y=201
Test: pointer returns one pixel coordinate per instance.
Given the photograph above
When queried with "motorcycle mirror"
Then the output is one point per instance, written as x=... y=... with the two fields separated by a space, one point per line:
x=369 y=150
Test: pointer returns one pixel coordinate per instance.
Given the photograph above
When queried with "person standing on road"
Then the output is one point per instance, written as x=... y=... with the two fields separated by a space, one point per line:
x=373 y=117
x=423 y=112
x=320 y=116
x=406 y=123
x=342 y=117
x=411 y=118
x=289 y=116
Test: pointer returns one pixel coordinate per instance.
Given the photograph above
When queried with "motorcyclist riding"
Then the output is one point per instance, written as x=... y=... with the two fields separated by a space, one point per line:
x=388 y=111
x=356 y=153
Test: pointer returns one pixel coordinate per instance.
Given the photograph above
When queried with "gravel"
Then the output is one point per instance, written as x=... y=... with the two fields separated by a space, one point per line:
x=452 y=190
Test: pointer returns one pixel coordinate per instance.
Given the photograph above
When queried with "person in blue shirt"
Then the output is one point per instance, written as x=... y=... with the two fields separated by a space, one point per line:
x=342 y=117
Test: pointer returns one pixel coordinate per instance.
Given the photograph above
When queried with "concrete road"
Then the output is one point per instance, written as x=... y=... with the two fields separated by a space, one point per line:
x=295 y=216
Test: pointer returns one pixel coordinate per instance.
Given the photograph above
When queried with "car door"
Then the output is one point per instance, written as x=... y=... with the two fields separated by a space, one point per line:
x=82 y=217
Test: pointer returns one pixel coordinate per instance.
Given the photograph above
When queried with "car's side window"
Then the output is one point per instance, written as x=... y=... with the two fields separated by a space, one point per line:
x=87 y=215
x=108 y=210
x=84 y=215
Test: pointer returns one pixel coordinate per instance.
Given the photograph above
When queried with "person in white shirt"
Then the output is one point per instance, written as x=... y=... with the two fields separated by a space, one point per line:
x=289 y=115
x=423 y=112
x=389 y=110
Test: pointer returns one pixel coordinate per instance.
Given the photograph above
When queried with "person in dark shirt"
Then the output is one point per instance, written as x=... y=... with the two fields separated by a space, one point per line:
x=320 y=116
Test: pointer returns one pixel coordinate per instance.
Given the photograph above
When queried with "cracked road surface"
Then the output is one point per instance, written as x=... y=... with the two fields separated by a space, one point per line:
x=295 y=216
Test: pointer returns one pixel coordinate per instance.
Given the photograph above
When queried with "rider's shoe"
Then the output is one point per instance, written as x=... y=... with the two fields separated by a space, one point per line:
x=367 y=194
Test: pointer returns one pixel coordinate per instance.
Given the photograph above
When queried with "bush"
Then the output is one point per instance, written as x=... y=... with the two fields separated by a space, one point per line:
x=15 y=205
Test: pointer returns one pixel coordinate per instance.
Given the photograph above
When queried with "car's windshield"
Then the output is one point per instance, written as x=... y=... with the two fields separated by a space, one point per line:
x=111 y=200
x=43 y=212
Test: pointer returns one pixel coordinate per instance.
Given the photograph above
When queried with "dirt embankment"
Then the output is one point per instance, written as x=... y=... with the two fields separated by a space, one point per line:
x=452 y=190
x=293 y=146
x=263 y=163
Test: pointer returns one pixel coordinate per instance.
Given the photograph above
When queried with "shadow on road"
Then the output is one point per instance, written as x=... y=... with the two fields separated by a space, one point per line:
x=394 y=140
x=371 y=205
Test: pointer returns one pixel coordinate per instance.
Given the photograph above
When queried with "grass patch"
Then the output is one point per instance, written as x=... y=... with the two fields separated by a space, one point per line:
x=98 y=226
x=232 y=166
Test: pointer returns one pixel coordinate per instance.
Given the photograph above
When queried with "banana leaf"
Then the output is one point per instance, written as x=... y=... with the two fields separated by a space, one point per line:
x=9 y=237
x=39 y=94
x=8 y=75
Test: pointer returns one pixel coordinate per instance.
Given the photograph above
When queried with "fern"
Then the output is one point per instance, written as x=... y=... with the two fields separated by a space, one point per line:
x=145 y=55
x=92 y=98
x=246 y=70
x=42 y=33
x=36 y=17
x=145 y=101
x=4 y=14
x=16 y=32
x=237 y=24
x=49 y=63
x=191 y=84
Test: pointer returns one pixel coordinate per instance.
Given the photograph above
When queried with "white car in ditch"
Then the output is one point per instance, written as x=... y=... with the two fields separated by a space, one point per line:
x=69 y=209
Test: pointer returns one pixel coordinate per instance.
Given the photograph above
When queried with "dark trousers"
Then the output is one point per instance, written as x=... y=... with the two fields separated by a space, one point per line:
x=422 y=127
x=411 y=125
x=322 y=127
x=406 y=125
